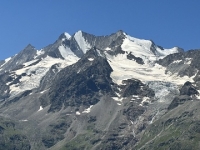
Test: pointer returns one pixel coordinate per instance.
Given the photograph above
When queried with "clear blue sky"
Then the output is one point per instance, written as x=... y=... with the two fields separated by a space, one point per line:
x=168 y=23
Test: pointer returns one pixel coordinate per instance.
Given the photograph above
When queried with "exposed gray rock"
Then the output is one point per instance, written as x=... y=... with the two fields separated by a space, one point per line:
x=25 y=55
x=82 y=83
x=178 y=101
x=183 y=63
x=188 y=89
x=135 y=87
x=137 y=59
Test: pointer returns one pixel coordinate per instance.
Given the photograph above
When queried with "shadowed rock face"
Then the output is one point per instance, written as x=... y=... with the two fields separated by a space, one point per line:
x=24 y=56
x=186 y=91
x=137 y=59
x=4 y=89
x=183 y=63
x=136 y=87
x=102 y=42
x=82 y=83
x=179 y=100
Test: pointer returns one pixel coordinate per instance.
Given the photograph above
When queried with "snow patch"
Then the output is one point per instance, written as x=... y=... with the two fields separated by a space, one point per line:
x=117 y=99
x=84 y=45
x=67 y=35
x=41 y=108
x=154 y=117
x=23 y=120
x=107 y=48
x=117 y=94
x=90 y=59
x=135 y=96
x=145 y=99
x=78 y=113
x=66 y=52
x=198 y=95
x=165 y=52
x=6 y=60
x=188 y=61
x=38 y=53
x=36 y=73
x=30 y=62
x=88 y=109
x=176 y=61
x=43 y=91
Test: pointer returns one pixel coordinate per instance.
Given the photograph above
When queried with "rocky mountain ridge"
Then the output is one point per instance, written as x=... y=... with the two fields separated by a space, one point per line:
x=99 y=92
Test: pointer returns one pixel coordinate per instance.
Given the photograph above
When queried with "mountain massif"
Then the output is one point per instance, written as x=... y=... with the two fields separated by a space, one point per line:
x=87 y=92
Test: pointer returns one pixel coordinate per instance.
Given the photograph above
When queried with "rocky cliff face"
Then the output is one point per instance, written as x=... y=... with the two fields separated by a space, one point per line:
x=100 y=92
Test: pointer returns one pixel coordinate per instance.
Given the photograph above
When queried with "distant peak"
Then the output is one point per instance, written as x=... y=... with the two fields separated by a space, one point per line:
x=179 y=49
x=67 y=35
x=120 y=32
x=79 y=32
x=30 y=46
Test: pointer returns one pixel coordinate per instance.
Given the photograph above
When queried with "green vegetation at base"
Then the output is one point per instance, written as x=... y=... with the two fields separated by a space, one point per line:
x=11 y=138
x=175 y=133
x=83 y=141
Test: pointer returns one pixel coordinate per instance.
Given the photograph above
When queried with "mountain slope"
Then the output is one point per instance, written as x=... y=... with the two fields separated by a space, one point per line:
x=99 y=92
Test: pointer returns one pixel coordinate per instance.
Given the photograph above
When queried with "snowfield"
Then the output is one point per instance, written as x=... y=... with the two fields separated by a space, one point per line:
x=124 y=69
x=35 y=73
x=84 y=45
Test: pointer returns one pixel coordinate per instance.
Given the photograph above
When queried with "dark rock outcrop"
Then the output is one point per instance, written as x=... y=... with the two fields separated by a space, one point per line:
x=82 y=83
x=183 y=63
x=186 y=91
x=135 y=87
x=178 y=101
x=137 y=59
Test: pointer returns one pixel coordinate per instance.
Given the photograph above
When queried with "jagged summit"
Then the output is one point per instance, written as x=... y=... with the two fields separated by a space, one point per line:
x=64 y=36
x=29 y=46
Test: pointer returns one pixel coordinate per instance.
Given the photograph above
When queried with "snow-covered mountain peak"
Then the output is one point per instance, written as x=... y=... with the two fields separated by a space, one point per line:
x=67 y=35
x=128 y=56
x=64 y=36
x=67 y=53
x=146 y=49
x=82 y=43
x=91 y=86
x=141 y=42
x=164 y=52
x=120 y=32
